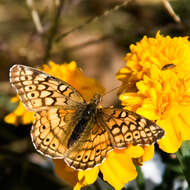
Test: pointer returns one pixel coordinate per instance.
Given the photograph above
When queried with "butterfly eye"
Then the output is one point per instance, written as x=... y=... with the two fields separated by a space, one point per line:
x=88 y=112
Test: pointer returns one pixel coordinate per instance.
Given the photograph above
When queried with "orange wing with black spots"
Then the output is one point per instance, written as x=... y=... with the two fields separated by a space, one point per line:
x=126 y=127
x=91 y=149
x=39 y=91
x=51 y=130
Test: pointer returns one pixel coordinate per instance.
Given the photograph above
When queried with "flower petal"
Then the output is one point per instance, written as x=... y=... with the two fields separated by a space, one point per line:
x=67 y=174
x=11 y=118
x=170 y=142
x=148 y=153
x=86 y=177
x=118 y=169
x=89 y=174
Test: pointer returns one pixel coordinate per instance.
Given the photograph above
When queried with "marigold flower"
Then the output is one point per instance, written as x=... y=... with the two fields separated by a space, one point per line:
x=19 y=115
x=157 y=69
x=118 y=168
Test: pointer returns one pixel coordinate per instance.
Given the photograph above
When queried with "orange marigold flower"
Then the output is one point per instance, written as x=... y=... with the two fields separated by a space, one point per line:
x=157 y=69
x=118 y=168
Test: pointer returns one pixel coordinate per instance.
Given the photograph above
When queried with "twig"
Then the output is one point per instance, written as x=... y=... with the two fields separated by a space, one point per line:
x=85 y=44
x=53 y=31
x=91 y=20
x=171 y=11
x=35 y=17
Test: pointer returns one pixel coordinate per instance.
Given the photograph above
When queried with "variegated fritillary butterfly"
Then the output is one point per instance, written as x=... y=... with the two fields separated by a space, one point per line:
x=67 y=127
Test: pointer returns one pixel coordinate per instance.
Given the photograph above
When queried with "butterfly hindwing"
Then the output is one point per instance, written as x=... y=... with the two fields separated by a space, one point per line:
x=90 y=150
x=51 y=130
x=38 y=90
x=126 y=127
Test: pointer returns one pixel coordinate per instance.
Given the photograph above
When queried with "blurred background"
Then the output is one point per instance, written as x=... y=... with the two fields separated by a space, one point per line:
x=97 y=35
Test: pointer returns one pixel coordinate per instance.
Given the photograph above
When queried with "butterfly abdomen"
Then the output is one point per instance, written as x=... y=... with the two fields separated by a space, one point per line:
x=86 y=117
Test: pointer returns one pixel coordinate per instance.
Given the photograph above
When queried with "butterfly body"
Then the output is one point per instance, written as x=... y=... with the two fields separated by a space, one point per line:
x=67 y=127
x=86 y=118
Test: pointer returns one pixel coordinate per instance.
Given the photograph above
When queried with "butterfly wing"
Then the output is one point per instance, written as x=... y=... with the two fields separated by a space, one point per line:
x=126 y=127
x=91 y=149
x=55 y=103
x=39 y=91
x=51 y=130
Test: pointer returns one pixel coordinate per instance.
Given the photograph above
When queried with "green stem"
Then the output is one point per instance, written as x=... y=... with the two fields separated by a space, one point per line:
x=185 y=163
x=140 y=179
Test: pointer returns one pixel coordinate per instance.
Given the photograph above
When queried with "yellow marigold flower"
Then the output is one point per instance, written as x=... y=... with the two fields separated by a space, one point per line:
x=118 y=168
x=158 y=69
x=19 y=115
x=151 y=52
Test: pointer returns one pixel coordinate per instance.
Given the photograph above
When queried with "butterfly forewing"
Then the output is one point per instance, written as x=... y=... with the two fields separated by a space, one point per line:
x=38 y=90
x=126 y=127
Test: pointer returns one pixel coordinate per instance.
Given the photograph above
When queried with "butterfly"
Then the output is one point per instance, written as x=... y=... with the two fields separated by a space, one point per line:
x=67 y=127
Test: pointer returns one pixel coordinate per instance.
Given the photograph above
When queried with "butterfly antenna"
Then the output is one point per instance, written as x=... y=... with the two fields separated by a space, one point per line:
x=111 y=90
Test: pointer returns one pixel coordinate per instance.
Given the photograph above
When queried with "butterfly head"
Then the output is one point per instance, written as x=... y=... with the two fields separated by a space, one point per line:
x=96 y=99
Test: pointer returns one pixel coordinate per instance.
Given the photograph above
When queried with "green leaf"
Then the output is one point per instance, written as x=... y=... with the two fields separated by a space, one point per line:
x=183 y=156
